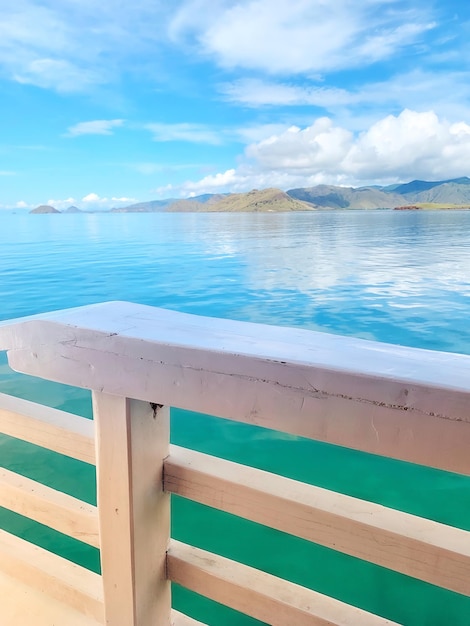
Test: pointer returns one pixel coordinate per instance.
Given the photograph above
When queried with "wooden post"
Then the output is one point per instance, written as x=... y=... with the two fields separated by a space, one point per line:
x=132 y=441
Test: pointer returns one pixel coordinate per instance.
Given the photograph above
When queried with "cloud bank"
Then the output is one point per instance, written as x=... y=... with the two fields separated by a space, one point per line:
x=91 y=201
x=71 y=46
x=396 y=148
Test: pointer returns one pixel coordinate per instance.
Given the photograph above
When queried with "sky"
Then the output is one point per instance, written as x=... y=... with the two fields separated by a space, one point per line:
x=104 y=104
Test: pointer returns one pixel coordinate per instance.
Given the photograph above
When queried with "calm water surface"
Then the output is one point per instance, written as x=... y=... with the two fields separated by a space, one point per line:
x=391 y=276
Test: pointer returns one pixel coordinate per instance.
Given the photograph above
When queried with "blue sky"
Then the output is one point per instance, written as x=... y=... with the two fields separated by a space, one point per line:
x=113 y=102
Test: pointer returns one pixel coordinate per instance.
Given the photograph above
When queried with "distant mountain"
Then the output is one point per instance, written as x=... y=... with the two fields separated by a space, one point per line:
x=445 y=193
x=259 y=201
x=210 y=198
x=417 y=186
x=198 y=203
x=73 y=209
x=452 y=193
x=254 y=201
x=153 y=206
x=188 y=205
x=331 y=197
x=44 y=208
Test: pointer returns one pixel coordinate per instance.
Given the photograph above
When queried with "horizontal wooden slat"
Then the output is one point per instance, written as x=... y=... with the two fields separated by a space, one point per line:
x=22 y=605
x=418 y=547
x=49 y=428
x=53 y=508
x=180 y=619
x=261 y=595
x=395 y=401
x=52 y=575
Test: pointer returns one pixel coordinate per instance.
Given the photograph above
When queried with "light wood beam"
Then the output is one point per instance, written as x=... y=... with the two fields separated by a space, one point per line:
x=433 y=552
x=134 y=512
x=55 y=509
x=263 y=596
x=52 y=575
x=49 y=428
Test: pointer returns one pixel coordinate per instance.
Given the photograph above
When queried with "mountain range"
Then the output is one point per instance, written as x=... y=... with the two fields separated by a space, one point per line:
x=417 y=194
x=443 y=193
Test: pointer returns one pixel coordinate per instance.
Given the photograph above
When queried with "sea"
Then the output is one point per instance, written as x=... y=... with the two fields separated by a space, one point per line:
x=401 y=277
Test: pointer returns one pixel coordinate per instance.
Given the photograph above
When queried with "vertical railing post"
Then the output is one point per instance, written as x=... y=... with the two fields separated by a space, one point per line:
x=132 y=439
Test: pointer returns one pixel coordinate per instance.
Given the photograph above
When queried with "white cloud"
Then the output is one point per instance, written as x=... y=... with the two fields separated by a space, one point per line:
x=76 y=45
x=244 y=178
x=257 y=132
x=39 y=46
x=447 y=93
x=26 y=27
x=201 y=133
x=396 y=148
x=21 y=204
x=94 y=127
x=93 y=200
x=255 y=92
x=72 y=46
x=384 y=43
x=193 y=133
x=91 y=197
x=301 y=36
x=60 y=205
x=411 y=145
x=58 y=74
x=320 y=146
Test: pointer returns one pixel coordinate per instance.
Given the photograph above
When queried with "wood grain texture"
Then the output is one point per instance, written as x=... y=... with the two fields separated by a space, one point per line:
x=22 y=605
x=57 y=510
x=19 y=602
x=399 y=402
x=52 y=575
x=49 y=428
x=415 y=546
x=134 y=512
x=263 y=596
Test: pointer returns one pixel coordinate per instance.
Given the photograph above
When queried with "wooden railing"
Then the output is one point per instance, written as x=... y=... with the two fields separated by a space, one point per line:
x=138 y=361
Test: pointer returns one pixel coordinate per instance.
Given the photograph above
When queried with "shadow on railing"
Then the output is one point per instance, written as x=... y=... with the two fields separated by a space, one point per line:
x=398 y=402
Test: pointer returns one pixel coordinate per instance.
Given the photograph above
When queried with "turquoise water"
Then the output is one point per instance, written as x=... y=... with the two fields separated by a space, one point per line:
x=391 y=276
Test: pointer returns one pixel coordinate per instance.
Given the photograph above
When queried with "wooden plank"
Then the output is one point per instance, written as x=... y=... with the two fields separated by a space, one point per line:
x=261 y=595
x=180 y=619
x=53 y=508
x=52 y=575
x=19 y=603
x=134 y=512
x=22 y=605
x=399 y=402
x=418 y=547
x=49 y=428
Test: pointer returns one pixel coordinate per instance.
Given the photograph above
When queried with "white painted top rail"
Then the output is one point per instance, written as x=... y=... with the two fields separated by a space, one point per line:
x=395 y=401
